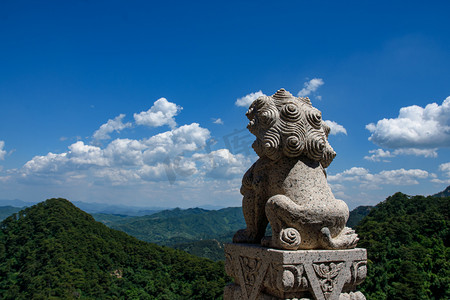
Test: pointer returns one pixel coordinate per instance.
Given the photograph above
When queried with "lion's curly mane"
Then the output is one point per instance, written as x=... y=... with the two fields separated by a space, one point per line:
x=289 y=126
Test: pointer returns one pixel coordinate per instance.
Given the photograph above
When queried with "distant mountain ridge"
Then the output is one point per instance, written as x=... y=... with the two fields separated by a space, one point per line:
x=195 y=230
x=6 y=211
x=357 y=214
x=95 y=207
x=15 y=203
x=444 y=193
x=176 y=226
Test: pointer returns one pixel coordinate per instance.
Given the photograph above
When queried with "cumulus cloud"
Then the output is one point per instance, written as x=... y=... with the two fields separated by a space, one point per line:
x=386 y=177
x=222 y=164
x=112 y=125
x=161 y=113
x=248 y=99
x=414 y=128
x=2 y=151
x=125 y=161
x=80 y=154
x=378 y=155
x=417 y=152
x=445 y=168
x=381 y=155
x=187 y=138
x=310 y=87
x=218 y=121
x=124 y=152
x=336 y=128
x=79 y=157
x=50 y=163
x=172 y=165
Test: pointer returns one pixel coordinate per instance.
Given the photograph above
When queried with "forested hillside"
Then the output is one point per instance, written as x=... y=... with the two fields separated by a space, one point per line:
x=444 y=193
x=197 y=231
x=357 y=214
x=54 y=249
x=407 y=241
x=177 y=226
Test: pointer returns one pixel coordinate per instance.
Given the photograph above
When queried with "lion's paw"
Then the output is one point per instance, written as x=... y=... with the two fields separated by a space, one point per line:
x=347 y=239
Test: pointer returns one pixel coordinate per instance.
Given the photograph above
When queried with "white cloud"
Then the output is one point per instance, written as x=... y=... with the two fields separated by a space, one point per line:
x=124 y=152
x=112 y=125
x=50 y=163
x=445 y=168
x=441 y=181
x=116 y=176
x=417 y=152
x=381 y=155
x=171 y=168
x=171 y=143
x=310 y=87
x=386 y=177
x=161 y=113
x=79 y=157
x=336 y=128
x=2 y=151
x=415 y=128
x=222 y=164
x=80 y=154
x=248 y=99
x=402 y=176
x=218 y=121
x=155 y=172
x=353 y=174
x=124 y=160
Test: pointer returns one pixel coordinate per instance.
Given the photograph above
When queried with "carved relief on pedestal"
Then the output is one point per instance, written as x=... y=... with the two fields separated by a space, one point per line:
x=327 y=274
x=359 y=272
x=264 y=273
x=229 y=265
x=281 y=278
x=250 y=268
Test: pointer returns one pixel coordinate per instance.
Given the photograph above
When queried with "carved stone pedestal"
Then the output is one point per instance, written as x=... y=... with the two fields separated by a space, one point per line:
x=266 y=273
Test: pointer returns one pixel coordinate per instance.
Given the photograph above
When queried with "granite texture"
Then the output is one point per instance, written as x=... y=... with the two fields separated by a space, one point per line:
x=265 y=273
x=287 y=185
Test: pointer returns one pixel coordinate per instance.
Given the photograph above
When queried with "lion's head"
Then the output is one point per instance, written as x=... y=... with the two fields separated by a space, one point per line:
x=289 y=126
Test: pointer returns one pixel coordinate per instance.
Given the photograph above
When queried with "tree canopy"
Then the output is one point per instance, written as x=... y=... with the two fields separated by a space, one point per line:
x=407 y=241
x=55 y=250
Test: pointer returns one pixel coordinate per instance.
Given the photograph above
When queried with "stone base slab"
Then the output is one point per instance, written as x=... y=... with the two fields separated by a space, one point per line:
x=265 y=273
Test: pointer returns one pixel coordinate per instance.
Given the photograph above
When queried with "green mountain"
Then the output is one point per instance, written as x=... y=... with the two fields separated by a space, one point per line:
x=171 y=227
x=444 y=193
x=357 y=214
x=197 y=231
x=211 y=249
x=53 y=250
x=6 y=211
x=110 y=219
x=407 y=240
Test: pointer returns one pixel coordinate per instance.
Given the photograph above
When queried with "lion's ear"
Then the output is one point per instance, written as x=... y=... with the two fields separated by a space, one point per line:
x=328 y=155
x=326 y=128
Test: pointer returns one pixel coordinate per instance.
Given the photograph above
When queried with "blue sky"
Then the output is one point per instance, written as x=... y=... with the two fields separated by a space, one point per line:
x=136 y=102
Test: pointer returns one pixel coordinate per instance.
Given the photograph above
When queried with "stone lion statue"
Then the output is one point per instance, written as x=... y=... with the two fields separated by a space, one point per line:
x=287 y=185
